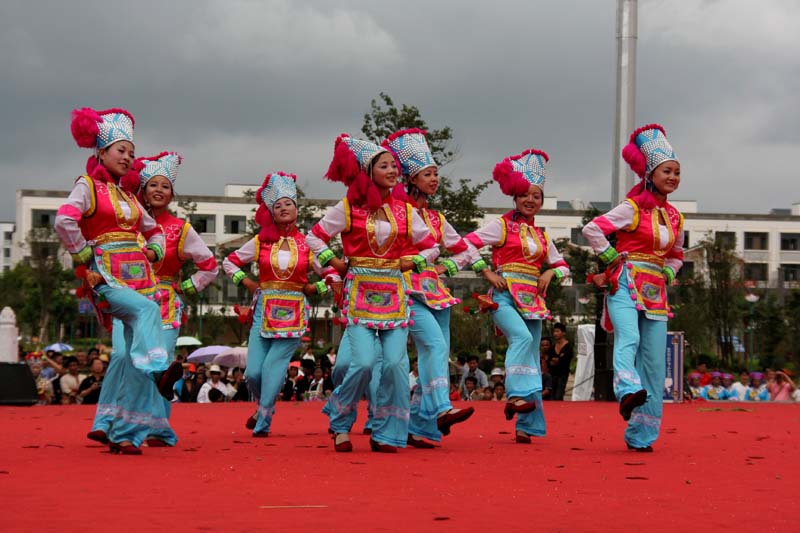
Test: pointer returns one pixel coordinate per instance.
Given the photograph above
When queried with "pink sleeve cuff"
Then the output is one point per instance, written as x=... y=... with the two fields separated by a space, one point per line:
x=475 y=240
x=458 y=247
x=70 y=211
x=209 y=264
x=605 y=226
x=320 y=233
x=233 y=258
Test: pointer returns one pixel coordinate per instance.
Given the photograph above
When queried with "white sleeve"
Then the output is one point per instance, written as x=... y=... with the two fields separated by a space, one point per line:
x=595 y=231
x=556 y=260
x=421 y=238
x=241 y=257
x=333 y=223
x=195 y=249
x=69 y=215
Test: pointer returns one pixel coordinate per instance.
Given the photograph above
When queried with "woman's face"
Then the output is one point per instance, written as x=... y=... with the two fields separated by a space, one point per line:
x=158 y=192
x=117 y=158
x=529 y=204
x=284 y=211
x=666 y=177
x=384 y=172
x=426 y=180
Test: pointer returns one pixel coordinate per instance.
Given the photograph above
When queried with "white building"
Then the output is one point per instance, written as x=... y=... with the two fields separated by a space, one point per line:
x=769 y=244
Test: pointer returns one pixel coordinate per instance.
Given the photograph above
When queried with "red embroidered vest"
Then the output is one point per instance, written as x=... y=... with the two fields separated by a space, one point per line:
x=105 y=214
x=299 y=263
x=359 y=238
x=175 y=230
x=642 y=239
x=513 y=246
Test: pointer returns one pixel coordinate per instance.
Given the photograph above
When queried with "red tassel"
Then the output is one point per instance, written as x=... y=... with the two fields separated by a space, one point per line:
x=85 y=127
x=345 y=166
x=511 y=182
x=635 y=159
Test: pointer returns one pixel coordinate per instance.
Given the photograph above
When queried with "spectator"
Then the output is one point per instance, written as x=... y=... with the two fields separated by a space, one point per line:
x=470 y=392
x=215 y=374
x=44 y=387
x=309 y=355
x=295 y=386
x=500 y=392
x=757 y=391
x=455 y=395
x=191 y=386
x=782 y=390
x=498 y=375
x=104 y=357
x=413 y=376
x=487 y=395
x=739 y=388
x=92 y=354
x=51 y=365
x=472 y=370
x=547 y=380
x=695 y=388
x=328 y=360
x=714 y=390
x=546 y=348
x=70 y=382
x=487 y=364
x=702 y=369
x=83 y=362
x=727 y=385
x=89 y=390
x=560 y=361
x=320 y=386
x=237 y=388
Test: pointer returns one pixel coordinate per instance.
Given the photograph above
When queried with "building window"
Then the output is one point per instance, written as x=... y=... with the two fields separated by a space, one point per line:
x=7 y=236
x=755 y=271
x=204 y=223
x=756 y=240
x=43 y=218
x=790 y=241
x=577 y=237
x=6 y=252
x=686 y=239
x=726 y=239
x=791 y=272
x=235 y=225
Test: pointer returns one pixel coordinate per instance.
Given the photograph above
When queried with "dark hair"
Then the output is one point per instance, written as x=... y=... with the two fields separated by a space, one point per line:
x=95 y=350
x=473 y=379
x=560 y=326
x=71 y=359
x=548 y=339
x=215 y=395
x=472 y=358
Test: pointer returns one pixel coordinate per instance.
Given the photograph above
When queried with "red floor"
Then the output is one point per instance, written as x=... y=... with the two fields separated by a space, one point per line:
x=731 y=467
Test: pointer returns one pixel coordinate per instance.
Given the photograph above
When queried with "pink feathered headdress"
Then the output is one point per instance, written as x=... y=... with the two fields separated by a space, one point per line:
x=86 y=127
x=269 y=231
x=515 y=175
x=346 y=168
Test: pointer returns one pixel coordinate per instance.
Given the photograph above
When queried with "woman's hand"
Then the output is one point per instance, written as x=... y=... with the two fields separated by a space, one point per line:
x=309 y=289
x=440 y=269
x=495 y=280
x=338 y=265
x=544 y=282
x=250 y=285
x=150 y=255
x=600 y=281
x=406 y=265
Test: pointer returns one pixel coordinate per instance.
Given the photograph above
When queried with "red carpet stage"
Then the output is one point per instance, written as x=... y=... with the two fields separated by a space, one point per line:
x=728 y=466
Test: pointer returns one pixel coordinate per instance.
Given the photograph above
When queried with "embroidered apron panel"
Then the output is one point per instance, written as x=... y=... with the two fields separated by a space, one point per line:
x=525 y=292
x=427 y=286
x=124 y=265
x=377 y=297
x=650 y=289
x=284 y=313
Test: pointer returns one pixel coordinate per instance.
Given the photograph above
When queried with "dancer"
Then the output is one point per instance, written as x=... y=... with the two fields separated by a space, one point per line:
x=374 y=227
x=432 y=414
x=519 y=286
x=183 y=244
x=280 y=313
x=99 y=225
x=647 y=257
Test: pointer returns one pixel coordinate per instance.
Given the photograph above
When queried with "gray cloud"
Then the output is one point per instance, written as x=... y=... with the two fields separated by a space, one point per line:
x=242 y=87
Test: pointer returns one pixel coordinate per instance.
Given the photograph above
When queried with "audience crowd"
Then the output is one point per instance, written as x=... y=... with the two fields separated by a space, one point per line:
x=78 y=378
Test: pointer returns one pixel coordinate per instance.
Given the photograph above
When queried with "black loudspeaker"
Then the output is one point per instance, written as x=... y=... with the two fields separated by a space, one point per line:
x=17 y=386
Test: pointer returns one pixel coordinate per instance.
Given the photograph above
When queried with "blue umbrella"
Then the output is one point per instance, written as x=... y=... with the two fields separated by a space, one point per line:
x=59 y=347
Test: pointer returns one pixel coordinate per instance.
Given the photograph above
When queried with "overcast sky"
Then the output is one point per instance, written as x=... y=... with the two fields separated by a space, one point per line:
x=240 y=88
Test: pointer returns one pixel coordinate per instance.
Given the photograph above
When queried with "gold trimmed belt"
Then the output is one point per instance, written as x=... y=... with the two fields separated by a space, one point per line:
x=521 y=268
x=375 y=262
x=293 y=286
x=168 y=279
x=116 y=236
x=646 y=258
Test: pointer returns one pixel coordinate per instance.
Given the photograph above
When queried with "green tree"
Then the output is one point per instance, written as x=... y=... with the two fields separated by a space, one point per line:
x=458 y=203
x=725 y=293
